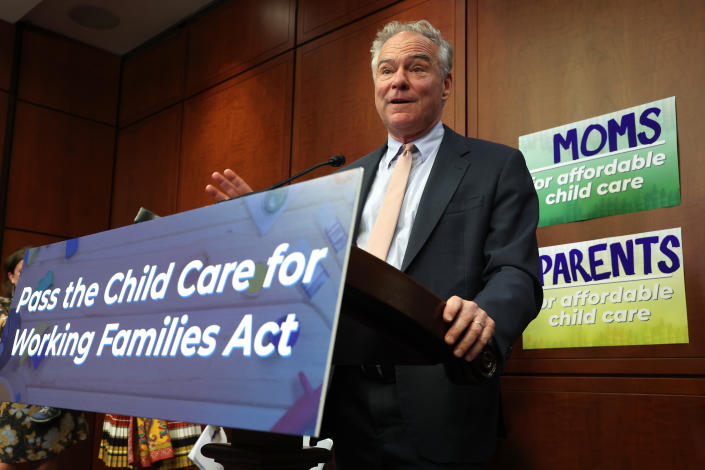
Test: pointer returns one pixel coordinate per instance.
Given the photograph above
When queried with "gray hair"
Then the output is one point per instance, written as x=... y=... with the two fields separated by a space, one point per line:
x=423 y=27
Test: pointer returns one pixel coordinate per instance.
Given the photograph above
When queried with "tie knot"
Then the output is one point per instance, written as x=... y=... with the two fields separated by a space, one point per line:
x=406 y=154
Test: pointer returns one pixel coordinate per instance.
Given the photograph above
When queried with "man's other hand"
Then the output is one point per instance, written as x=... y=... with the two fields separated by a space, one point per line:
x=229 y=185
x=472 y=328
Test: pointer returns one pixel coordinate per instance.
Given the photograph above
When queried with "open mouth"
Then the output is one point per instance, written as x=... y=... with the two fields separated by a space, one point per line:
x=399 y=101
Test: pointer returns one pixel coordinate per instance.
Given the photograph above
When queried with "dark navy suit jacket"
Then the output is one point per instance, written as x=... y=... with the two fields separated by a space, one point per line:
x=474 y=236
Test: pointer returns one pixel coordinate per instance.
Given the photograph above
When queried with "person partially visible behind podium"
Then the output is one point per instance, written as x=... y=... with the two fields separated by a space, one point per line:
x=457 y=214
x=31 y=433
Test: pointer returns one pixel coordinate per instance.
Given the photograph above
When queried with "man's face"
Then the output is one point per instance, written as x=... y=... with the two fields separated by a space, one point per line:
x=409 y=90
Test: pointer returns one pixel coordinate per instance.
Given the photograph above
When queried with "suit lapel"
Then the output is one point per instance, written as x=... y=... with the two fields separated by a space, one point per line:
x=448 y=170
x=370 y=163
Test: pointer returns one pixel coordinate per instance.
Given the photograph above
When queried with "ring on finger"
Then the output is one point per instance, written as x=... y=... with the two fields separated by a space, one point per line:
x=479 y=323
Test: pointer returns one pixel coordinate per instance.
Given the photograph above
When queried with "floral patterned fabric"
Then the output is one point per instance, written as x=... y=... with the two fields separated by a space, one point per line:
x=23 y=440
x=4 y=310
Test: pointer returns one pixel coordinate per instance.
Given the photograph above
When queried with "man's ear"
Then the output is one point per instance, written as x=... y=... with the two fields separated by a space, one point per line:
x=447 y=86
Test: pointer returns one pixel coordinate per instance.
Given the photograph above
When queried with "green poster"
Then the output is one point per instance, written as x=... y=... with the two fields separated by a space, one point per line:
x=616 y=291
x=621 y=162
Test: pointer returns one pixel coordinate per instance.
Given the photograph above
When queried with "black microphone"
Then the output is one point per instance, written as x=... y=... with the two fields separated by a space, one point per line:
x=335 y=161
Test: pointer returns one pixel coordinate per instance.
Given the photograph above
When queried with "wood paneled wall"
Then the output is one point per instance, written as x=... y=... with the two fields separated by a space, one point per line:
x=569 y=69
x=271 y=87
x=245 y=122
x=546 y=63
x=48 y=160
x=259 y=95
x=334 y=106
x=147 y=166
x=154 y=78
x=68 y=76
x=236 y=37
x=602 y=422
x=4 y=101
x=7 y=46
x=318 y=17
x=60 y=163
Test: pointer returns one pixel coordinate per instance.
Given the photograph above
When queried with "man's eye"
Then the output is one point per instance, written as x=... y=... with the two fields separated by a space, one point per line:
x=386 y=71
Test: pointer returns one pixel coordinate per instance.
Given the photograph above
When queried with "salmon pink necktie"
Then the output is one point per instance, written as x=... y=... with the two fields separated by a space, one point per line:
x=386 y=222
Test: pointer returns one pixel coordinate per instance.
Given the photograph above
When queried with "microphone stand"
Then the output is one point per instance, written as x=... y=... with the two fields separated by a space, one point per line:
x=335 y=161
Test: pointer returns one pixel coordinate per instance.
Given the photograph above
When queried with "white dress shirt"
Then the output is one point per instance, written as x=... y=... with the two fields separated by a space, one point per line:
x=423 y=158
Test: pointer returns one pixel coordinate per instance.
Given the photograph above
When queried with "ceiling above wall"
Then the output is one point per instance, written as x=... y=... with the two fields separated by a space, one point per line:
x=116 y=26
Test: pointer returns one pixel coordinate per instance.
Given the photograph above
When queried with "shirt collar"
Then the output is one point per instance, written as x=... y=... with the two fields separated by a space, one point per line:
x=424 y=145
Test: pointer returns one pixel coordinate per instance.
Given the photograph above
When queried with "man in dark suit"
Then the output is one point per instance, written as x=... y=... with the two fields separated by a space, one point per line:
x=466 y=231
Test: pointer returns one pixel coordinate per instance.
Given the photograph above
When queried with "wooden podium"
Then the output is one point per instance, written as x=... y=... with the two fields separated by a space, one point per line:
x=386 y=318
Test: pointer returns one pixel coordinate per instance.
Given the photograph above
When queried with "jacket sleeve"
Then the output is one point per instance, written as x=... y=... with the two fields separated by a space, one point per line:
x=512 y=292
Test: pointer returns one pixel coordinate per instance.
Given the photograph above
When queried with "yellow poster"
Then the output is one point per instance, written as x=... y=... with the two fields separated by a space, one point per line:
x=615 y=291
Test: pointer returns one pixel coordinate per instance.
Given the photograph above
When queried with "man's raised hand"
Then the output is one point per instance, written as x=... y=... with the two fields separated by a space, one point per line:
x=229 y=185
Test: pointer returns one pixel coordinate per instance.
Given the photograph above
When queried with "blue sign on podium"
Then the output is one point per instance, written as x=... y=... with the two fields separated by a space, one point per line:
x=221 y=315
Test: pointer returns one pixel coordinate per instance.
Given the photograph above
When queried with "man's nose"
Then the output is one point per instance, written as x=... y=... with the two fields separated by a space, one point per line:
x=400 y=80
